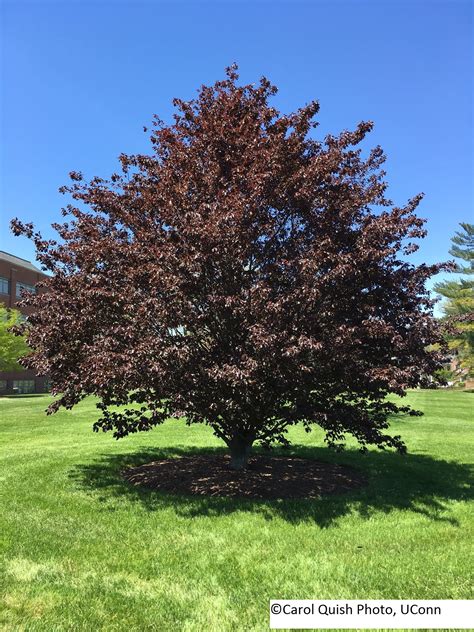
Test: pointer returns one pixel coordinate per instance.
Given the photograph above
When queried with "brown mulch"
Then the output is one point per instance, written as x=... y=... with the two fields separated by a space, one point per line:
x=266 y=477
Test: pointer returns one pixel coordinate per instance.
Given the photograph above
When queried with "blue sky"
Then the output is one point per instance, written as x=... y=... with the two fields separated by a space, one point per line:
x=80 y=79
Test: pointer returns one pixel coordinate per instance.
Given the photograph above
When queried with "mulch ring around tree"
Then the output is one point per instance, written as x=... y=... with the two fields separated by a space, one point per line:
x=265 y=478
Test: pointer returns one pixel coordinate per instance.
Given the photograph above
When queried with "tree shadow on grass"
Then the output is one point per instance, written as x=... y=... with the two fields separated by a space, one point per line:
x=418 y=483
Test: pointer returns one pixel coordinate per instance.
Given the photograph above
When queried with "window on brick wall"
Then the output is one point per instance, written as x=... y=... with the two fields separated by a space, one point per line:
x=4 y=286
x=24 y=386
x=24 y=286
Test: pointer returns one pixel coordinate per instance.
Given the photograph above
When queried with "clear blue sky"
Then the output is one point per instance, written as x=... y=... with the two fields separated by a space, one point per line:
x=80 y=79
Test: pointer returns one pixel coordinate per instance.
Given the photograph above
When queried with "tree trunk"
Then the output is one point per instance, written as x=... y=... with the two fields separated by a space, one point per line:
x=240 y=448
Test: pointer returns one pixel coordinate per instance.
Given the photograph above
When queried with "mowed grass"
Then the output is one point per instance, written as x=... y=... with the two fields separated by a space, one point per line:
x=81 y=550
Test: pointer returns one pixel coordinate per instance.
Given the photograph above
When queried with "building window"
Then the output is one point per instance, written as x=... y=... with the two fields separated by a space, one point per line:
x=24 y=286
x=23 y=386
x=3 y=385
x=4 y=286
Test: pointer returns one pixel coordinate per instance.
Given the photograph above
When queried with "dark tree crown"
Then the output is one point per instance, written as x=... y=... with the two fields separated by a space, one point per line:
x=244 y=275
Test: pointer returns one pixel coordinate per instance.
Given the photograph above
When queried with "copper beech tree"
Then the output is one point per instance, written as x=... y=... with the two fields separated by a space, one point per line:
x=244 y=275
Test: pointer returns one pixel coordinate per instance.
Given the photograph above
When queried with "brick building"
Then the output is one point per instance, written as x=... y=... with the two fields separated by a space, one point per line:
x=17 y=274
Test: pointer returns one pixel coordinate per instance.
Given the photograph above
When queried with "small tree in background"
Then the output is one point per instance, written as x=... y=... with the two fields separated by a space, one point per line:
x=12 y=347
x=244 y=275
x=459 y=304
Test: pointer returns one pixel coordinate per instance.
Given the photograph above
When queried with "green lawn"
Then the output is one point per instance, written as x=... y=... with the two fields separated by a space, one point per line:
x=81 y=550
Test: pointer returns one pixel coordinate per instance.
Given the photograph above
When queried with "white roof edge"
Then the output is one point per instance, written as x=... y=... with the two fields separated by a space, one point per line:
x=18 y=261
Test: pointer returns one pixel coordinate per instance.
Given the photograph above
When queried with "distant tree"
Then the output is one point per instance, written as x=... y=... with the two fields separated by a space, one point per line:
x=459 y=304
x=463 y=248
x=12 y=347
x=244 y=275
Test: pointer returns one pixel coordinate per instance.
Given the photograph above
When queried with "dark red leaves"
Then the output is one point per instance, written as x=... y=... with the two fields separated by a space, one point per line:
x=243 y=275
